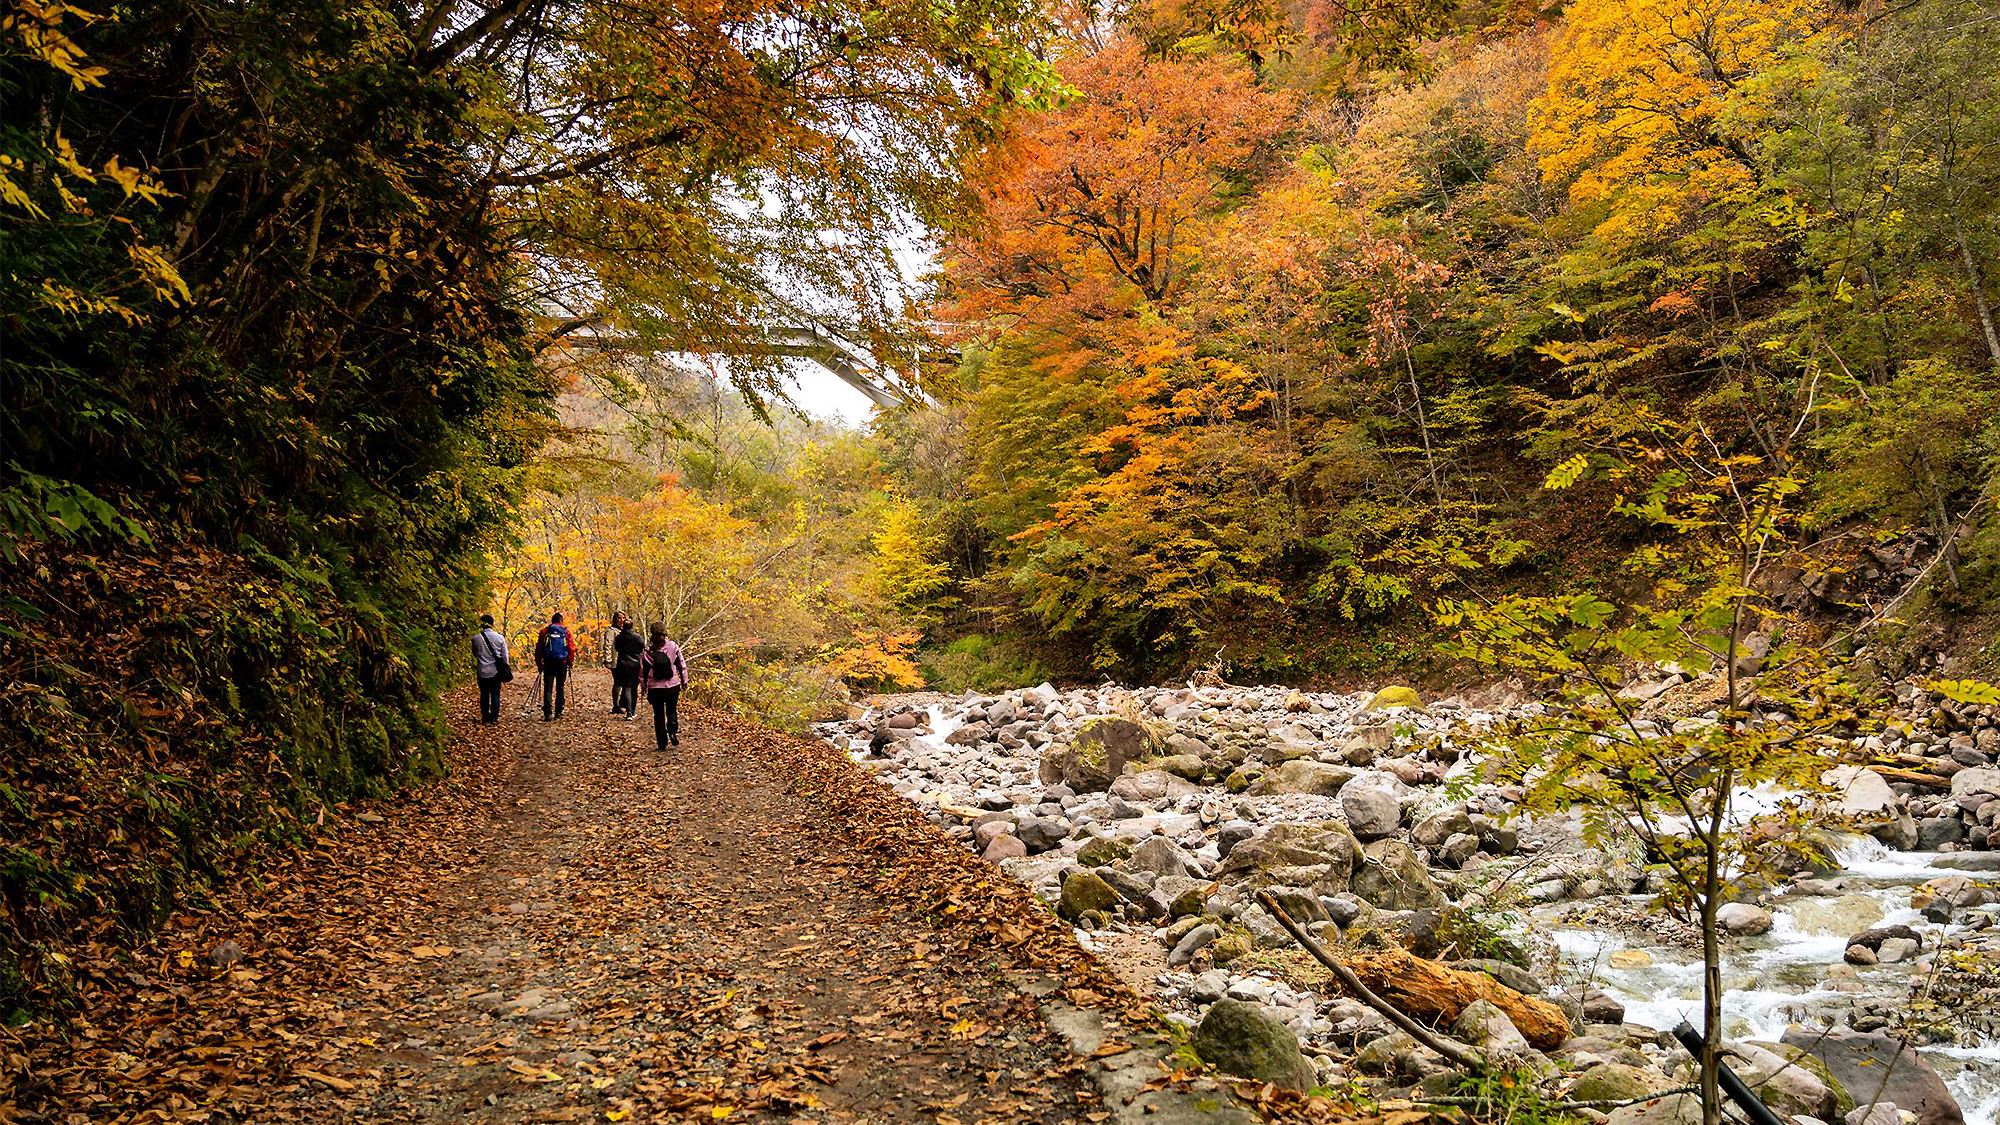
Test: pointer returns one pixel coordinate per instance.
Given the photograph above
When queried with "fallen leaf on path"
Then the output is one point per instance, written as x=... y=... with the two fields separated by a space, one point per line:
x=328 y=1080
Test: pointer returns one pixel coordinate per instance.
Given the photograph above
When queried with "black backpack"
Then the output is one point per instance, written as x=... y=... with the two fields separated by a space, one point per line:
x=628 y=659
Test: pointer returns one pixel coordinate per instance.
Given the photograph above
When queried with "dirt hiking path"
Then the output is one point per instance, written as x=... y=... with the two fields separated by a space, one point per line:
x=575 y=927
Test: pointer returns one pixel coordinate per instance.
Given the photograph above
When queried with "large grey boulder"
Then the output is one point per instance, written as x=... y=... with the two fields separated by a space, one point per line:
x=1743 y=918
x=1240 y=1038
x=1151 y=785
x=1980 y=780
x=1290 y=741
x=1158 y=855
x=1442 y=825
x=1859 y=792
x=1482 y=1024
x=1373 y=804
x=1370 y=739
x=1782 y=1086
x=1391 y=876
x=1304 y=907
x=1131 y=888
x=1041 y=834
x=1102 y=748
x=1303 y=775
x=1326 y=852
x=1458 y=850
x=1864 y=1061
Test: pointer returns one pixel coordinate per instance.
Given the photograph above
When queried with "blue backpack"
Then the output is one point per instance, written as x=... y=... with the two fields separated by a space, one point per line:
x=558 y=643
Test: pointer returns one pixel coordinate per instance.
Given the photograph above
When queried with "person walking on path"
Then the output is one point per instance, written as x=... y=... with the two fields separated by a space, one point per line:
x=664 y=672
x=555 y=651
x=607 y=652
x=628 y=650
x=489 y=651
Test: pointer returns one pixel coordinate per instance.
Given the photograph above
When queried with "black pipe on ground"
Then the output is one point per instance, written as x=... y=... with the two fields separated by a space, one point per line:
x=1745 y=1098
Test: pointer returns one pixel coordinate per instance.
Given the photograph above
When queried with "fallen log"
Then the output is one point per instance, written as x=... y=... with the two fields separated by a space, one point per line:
x=1456 y=1052
x=1429 y=990
x=1912 y=777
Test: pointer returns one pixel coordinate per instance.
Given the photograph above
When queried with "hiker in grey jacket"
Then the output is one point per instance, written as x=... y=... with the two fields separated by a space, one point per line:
x=489 y=654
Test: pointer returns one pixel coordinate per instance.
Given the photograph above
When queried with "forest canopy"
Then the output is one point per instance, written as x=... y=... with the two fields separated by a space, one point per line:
x=279 y=283
x=1266 y=344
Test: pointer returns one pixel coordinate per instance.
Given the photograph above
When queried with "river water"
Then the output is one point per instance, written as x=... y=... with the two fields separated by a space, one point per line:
x=1776 y=979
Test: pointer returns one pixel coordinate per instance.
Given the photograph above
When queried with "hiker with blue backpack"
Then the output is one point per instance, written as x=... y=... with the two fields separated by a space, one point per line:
x=555 y=651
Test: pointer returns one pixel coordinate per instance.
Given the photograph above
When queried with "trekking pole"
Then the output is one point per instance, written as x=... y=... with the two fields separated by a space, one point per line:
x=534 y=690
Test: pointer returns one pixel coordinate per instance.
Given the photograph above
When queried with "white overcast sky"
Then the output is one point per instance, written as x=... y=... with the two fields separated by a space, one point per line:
x=822 y=394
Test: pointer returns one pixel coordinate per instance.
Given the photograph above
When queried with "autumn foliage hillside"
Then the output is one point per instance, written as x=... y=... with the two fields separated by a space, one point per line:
x=1269 y=339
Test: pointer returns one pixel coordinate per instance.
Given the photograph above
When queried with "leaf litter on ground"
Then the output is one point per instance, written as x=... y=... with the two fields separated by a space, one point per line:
x=574 y=927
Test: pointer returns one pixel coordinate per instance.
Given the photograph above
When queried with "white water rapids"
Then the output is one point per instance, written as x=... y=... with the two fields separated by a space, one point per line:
x=1773 y=980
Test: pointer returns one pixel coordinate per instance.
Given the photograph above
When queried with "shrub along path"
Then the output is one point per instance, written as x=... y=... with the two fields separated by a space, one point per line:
x=576 y=928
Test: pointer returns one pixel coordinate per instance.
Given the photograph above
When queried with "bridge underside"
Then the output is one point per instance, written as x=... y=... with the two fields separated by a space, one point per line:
x=847 y=362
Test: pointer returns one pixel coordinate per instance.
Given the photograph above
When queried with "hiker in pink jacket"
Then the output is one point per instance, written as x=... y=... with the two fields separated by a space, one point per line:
x=663 y=673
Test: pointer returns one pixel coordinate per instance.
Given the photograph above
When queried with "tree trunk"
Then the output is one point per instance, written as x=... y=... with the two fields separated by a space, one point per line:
x=1978 y=281
x=1711 y=955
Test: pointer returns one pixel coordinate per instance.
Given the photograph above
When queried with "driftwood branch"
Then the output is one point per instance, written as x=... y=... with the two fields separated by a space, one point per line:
x=1457 y=1053
x=1910 y=777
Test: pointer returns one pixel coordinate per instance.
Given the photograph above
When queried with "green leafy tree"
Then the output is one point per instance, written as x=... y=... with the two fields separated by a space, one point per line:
x=1728 y=521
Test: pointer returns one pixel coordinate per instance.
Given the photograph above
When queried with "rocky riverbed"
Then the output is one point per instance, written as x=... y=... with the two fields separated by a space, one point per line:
x=1151 y=817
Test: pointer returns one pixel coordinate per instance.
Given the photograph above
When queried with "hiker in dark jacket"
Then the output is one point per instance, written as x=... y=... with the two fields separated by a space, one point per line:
x=627 y=649
x=664 y=672
x=607 y=653
x=555 y=651
x=489 y=653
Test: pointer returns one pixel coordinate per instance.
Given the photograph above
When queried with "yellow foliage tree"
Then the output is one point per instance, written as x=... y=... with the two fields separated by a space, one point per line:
x=670 y=556
x=1650 y=103
x=910 y=573
x=878 y=662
